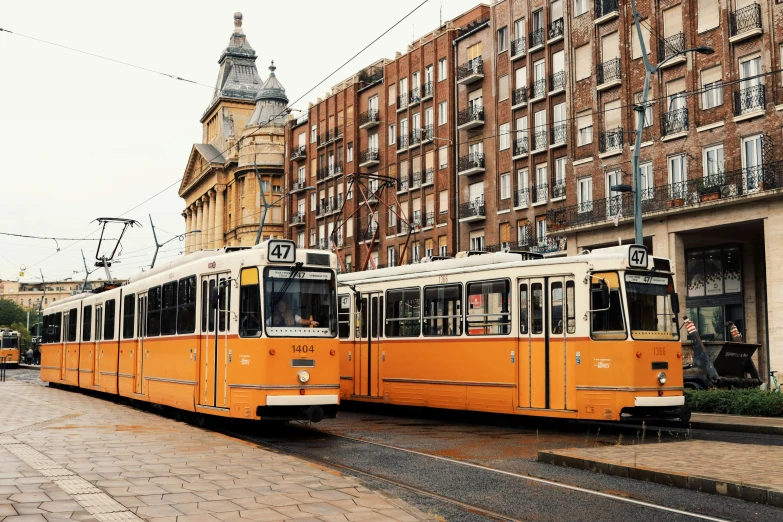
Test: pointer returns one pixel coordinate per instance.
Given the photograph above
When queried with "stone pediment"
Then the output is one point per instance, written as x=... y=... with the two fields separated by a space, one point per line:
x=202 y=159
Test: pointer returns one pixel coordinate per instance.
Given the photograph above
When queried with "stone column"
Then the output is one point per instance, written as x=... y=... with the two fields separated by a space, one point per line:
x=220 y=192
x=204 y=221
x=773 y=253
x=195 y=242
x=211 y=219
x=187 y=228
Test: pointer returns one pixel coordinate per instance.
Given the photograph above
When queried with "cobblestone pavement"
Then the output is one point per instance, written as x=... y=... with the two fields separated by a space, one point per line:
x=65 y=455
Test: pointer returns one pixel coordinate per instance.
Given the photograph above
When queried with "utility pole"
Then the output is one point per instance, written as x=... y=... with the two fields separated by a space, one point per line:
x=86 y=272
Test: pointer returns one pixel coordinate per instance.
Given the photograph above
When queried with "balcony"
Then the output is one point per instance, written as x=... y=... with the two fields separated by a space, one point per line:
x=557 y=82
x=429 y=177
x=745 y=23
x=548 y=245
x=429 y=220
x=674 y=124
x=539 y=194
x=329 y=171
x=608 y=74
x=369 y=158
x=402 y=143
x=299 y=152
x=555 y=30
x=519 y=98
x=402 y=102
x=470 y=118
x=611 y=141
x=323 y=244
x=558 y=137
x=416 y=221
x=539 y=141
x=537 y=90
x=402 y=185
x=606 y=10
x=340 y=241
x=536 y=40
x=749 y=102
x=522 y=198
x=690 y=194
x=670 y=46
x=520 y=149
x=558 y=189
x=370 y=232
x=416 y=180
x=415 y=138
x=298 y=186
x=369 y=119
x=518 y=48
x=426 y=133
x=473 y=163
x=415 y=96
x=426 y=91
x=471 y=71
x=472 y=211
x=370 y=75
x=297 y=219
x=372 y=197
x=336 y=133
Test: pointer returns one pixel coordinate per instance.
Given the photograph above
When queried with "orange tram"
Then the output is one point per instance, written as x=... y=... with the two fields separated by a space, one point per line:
x=592 y=336
x=236 y=332
x=9 y=347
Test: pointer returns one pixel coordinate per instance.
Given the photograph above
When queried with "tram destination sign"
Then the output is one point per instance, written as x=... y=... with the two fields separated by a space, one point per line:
x=646 y=280
x=302 y=274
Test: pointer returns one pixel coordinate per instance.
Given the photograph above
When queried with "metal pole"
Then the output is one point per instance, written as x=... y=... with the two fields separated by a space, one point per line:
x=263 y=200
x=157 y=245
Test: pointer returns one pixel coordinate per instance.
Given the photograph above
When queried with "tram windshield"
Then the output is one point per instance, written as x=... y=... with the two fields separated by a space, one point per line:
x=299 y=302
x=650 y=311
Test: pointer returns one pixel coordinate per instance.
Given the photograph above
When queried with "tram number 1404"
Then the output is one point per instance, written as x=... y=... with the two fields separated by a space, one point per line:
x=302 y=348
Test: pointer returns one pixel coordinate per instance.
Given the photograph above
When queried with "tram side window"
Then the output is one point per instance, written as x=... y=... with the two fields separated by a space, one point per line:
x=608 y=324
x=443 y=310
x=72 y=324
x=403 y=311
x=168 y=315
x=570 y=307
x=537 y=304
x=58 y=321
x=344 y=315
x=186 y=305
x=556 y=307
x=249 y=303
x=128 y=315
x=44 y=329
x=204 y=304
x=224 y=303
x=489 y=308
x=87 y=323
x=153 y=312
x=523 y=315
x=108 y=319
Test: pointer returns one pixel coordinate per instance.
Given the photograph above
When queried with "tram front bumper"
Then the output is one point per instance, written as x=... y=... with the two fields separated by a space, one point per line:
x=659 y=402
x=301 y=400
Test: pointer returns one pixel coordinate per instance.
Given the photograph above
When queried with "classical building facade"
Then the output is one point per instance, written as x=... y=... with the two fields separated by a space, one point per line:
x=28 y=294
x=243 y=143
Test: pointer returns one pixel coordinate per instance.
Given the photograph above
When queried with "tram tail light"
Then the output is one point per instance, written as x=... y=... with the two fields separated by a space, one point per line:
x=660 y=393
x=639 y=355
x=679 y=355
x=301 y=392
x=332 y=352
x=271 y=351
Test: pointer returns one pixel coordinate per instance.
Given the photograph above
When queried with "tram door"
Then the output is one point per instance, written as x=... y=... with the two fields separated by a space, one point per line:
x=556 y=346
x=96 y=350
x=138 y=352
x=536 y=379
x=369 y=349
x=64 y=347
x=213 y=349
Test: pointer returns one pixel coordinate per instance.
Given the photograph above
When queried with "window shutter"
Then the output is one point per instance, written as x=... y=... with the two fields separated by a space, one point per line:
x=505 y=232
x=612 y=115
x=709 y=14
x=637 y=50
x=583 y=59
x=672 y=21
x=710 y=75
x=675 y=86
x=610 y=46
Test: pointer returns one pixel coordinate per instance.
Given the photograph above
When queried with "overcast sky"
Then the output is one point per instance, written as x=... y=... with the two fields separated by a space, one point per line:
x=83 y=138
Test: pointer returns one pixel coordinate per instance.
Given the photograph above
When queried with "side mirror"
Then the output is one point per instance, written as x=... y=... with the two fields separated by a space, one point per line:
x=675 y=303
x=604 y=294
x=214 y=298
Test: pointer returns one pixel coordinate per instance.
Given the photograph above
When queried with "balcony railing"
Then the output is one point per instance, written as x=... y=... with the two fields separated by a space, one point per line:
x=557 y=81
x=415 y=137
x=744 y=20
x=671 y=45
x=522 y=197
x=323 y=243
x=519 y=96
x=402 y=184
x=608 y=71
x=611 y=140
x=539 y=140
x=474 y=115
x=536 y=38
x=518 y=47
x=427 y=132
x=429 y=219
x=520 y=146
x=556 y=29
x=402 y=101
x=539 y=193
x=369 y=232
x=559 y=133
x=537 y=89
x=674 y=122
x=472 y=209
x=297 y=218
x=470 y=68
x=369 y=118
x=368 y=155
x=548 y=244
x=328 y=171
x=474 y=160
x=604 y=7
x=429 y=176
x=751 y=99
x=728 y=185
x=426 y=90
x=416 y=221
x=402 y=142
x=415 y=96
x=416 y=180
x=558 y=188
x=298 y=185
x=371 y=75
x=299 y=152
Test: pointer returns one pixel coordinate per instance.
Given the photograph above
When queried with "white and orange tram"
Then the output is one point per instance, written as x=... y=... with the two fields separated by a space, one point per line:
x=593 y=336
x=236 y=332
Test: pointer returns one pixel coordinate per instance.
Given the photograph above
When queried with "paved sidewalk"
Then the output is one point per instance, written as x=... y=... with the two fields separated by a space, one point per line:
x=719 y=421
x=65 y=455
x=747 y=471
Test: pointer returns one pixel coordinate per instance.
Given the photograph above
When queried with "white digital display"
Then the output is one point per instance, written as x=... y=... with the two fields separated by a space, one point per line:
x=637 y=256
x=644 y=279
x=281 y=251
x=311 y=276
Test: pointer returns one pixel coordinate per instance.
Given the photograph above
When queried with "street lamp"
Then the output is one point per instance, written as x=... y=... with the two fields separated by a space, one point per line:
x=272 y=204
x=649 y=70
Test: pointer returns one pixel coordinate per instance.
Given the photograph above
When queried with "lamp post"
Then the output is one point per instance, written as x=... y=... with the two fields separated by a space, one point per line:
x=272 y=204
x=649 y=70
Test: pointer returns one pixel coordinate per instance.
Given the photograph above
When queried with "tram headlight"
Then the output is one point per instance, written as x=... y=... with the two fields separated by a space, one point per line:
x=661 y=378
x=303 y=376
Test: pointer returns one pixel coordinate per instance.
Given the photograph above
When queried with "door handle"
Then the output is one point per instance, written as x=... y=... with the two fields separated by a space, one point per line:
x=512 y=356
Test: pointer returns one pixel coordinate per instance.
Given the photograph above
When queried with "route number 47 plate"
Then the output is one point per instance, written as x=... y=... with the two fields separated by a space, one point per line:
x=637 y=256
x=281 y=251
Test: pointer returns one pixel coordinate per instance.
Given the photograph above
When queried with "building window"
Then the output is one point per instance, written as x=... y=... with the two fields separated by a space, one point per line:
x=580 y=7
x=443 y=246
x=392 y=134
x=300 y=239
x=443 y=157
x=503 y=88
x=647 y=180
x=314 y=134
x=349 y=153
x=713 y=163
x=477 y=240
x=442 y=69
x=443 y=113
x=648 y=113
x=505 y=136
x=712 y=273
x=391 y=256
x=636 y=49
x=678 y=177
x=585 y=128
x=712 y=87
x=584 y=194
x=312 y=237
x=505 y=186
x=444 y=201
x=502 y=39
x=392 y=94
x=392 y=216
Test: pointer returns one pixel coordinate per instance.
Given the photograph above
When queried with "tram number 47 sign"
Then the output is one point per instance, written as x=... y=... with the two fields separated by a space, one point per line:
x=637 y=256
x=281 y=251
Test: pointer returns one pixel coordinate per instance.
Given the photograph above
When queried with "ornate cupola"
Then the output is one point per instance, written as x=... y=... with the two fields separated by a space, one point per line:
x=271 y=102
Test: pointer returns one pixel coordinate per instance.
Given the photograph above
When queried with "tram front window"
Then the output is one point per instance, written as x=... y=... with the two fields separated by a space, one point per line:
x=301 y=300
x=650 y=306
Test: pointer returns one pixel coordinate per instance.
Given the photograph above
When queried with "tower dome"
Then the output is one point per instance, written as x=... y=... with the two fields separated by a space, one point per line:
x=271 y=102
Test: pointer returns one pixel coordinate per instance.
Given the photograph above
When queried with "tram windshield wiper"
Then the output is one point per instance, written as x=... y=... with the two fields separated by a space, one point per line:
x=277 y=297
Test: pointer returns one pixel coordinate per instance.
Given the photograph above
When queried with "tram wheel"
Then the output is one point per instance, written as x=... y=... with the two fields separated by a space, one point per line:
x=685 y=414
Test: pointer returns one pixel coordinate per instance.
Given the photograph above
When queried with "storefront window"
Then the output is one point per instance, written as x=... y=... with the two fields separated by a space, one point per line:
x=714 y=291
